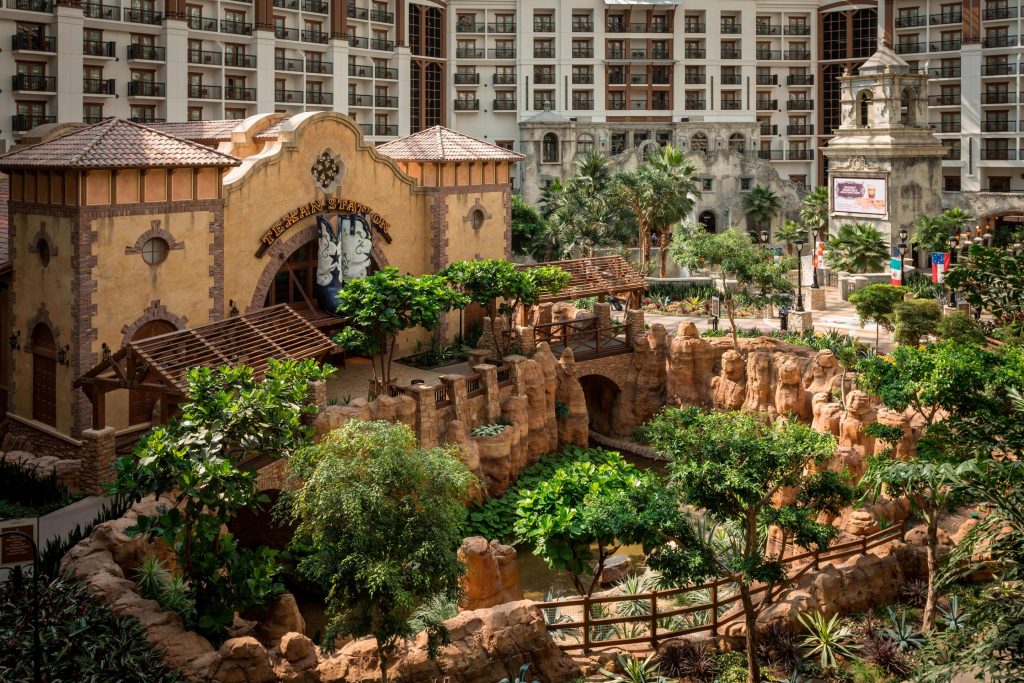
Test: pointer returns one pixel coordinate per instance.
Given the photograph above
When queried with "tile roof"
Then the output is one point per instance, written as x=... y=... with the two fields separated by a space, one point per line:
x=443 y=144
x=199 y=131
x=4 y=196
x=270 y=133
x=115 y=143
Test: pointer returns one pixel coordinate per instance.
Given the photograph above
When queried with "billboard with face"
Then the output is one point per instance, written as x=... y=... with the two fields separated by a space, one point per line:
x=860 y=195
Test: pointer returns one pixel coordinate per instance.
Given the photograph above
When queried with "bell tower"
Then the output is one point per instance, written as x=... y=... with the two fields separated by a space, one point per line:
x=885 y=163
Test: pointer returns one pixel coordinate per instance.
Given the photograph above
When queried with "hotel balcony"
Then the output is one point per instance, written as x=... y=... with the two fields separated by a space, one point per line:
x=694 y=27
x=319 y=37
x=731 y=28
x=998 y=97
x=199 y=23
x=695 y=78
x=506 y=27
x=146 y=89
x=770 y=154
x=468 y=52
x=386 y=101
x=34 y=83
x=386 y=72
x=911 y=48
x=799 y=155
x=288 y=96
x=947 y=100
x=467 y=79
x=503 y=79
x=998 y=154
x=238 y=28
x=360 y=70
x=768 y=129
x=798 y=30
x=693 y=53
x=289 y=64
x=950 y=45
x=355 y=100
x=998 y=69
x=696 y=105
x=31 y=6
x=24 y=43
x=800 y=79
x=99 y=86
x=731 y=105
x=998 y=13
x=319 y=97
x=238 y=60
x=240 y=94
x=198 y=91
x=998 y=126
x=766 y=29
x=149 y=53
x=504 y=105
x=731 y=79
x=799 y=129
x=583 y=79
x=22 y=122
x=948 y=17
x=766 y=105
x=385 y=129
x=467 y=105
x=766 y=79
x=143 y=16
x=501 y=53
x=800 y=105
x=207 y=57
x=465 y=26
x=315 y=6
x=99 y=48
x=945 y=72
x=637 y=27
x=731 y=53
x=999 y=41
x=911 y=21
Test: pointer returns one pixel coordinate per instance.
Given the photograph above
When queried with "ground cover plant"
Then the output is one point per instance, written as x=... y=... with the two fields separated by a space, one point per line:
x=24 y=493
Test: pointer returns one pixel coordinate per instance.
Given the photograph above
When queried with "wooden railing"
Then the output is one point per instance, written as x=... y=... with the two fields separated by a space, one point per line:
x=583 y=623
x=585 y=337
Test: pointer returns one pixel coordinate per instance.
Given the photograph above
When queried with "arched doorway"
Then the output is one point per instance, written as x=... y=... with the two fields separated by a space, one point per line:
x=600 y=394
x=708 y=220
x=141 y=403
x=44 y=375
x=295 y=282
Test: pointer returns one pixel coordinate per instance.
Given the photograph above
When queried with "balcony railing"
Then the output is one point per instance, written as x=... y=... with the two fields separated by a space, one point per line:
x=147 y=119
x=467 y=79
x=911 y=20
x=945 y=72
x=541 y=103
x=288 y=64
x=800 y=105
x=766 y=105
x=380 y=44
x=285 y=33
x=764 y=29
x=198 y=23
x=583 y=79
x=34 y=83
x=504 y=79
x=198 y=91
x=583 y=26
x=209 y=57
x=617 y=105
x=238 y=28
x=944 y=100
x=948 y=45
x=544 y=78
x=797 y=55
x=287 y=4
x=999 y=41
x=357 y=12
x=998 y=126
x=583 y=105
x=731 y=105
x=31 y=5
x=995 y=13
x=239 y=60
x=543 y=52
x=501 y=27
x=768 y=129
x=998 y=69
x=909 y=48
x=288 y=96
x=949 y=127
x=582 y=53
x=767 y=79
x=952 y=153
x=153 y=53
x=23 y=122
x=688 y=53
x=464 y=26
x=691 y=78
x=146 y=89
x=696 y=105
x=695 y=27
x=99 y=86
x=731 y=53
x=382 y=16
x=467 y=52
x=765 y=54
x=143 y=16
x=385 y=129
x=543 y=26
x=316 y=6
x=34 y=43
x=770 y=154
x=502 y=53
x=314 y=36
x=355 y=100
x=730 y=28
x=95 y=10
x=240 y=94
x=386 y=72
x=941 y=18
x=467 y=105
x=637 y=27
x=360 y=71
x=99 y=48
x=999 y=97
x=799 y=154
x=320 y=98
x=504 y=105
x=732 y=79
x=800 y=79
x=387 y=101
x=799 y=129
x=998 y=154
x=798 y=30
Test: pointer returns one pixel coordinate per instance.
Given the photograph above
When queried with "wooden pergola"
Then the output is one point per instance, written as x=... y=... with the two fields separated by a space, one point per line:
x=159 y=364
x=598 y=276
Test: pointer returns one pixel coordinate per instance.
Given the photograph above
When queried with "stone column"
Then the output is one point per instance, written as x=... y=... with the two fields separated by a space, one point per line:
x=515 y=364
x=458 y=393
x=426 y=415
x=818 y=299
x=634 y=325
x=800 y=322
x=99 y=450
x=525 y=338
x=316 y=396
x=603 y=314
x=492 y=393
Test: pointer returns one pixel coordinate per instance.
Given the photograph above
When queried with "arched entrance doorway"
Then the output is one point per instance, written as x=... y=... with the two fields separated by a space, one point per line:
x=141 y=403
x=44 y=375
x=600 y=394
x=708 y=220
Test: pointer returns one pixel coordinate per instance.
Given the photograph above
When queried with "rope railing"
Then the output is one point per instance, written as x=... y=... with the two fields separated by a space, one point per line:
x=585 y=622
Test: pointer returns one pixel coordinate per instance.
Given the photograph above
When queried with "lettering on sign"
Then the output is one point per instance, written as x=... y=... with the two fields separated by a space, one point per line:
x=15 y=549
x=375 y=220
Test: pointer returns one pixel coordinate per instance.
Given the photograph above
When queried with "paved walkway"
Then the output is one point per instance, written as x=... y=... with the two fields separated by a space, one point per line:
x=353 y=381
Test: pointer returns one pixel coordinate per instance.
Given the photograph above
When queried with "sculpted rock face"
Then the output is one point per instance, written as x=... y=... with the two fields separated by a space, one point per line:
x=760 y=397
x=790 y=397
x=827 y=415
x=549 y=367
x=854 y=445
x=575 y=428
x=242 y=660
x=492 y=574
x=536 y=394
x=729 y=389
x=823 y=374
x=516 y=412
x=906 y=448
x=651 y=375
x=689 y=367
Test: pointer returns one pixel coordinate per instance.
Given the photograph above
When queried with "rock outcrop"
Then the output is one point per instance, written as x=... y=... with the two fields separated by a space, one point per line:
x=492 y=574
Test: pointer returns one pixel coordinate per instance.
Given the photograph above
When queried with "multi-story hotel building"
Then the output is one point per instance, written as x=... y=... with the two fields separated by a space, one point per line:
x=758 y=77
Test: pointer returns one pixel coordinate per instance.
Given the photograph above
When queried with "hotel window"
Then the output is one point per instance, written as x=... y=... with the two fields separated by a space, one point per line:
x=465 y=23
x=544 y=99
x=92 y=112
x=582 y=49
x=549 y=149
x=544 y=48
x=505 y=23
x=618 y=143
x=466 y=99
x=661 y=75
x=693 y=24
x=194 y=16
x=949 y=122
x=584 y=144
x=582 y=23
x=314 y=29
x=544 y=75
x=583 y=99
x=583 y=74
x=504 y=49
x=951 y=183
x=617 y=101
x=143 y=113
x=234 y=114
x=235 y=19
x=195 y=113
x=466 y=48
x=506 y=144
x=505 y=75
x=543 y=23
x=280 y=30
x=659 y=49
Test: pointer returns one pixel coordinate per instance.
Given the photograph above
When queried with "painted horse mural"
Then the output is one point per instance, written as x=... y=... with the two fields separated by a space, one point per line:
x=343 y=253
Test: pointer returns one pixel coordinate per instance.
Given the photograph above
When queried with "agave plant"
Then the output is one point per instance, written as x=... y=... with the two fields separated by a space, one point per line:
x=954 y=618
x=827 y=638
x=520 y=676
x=634 y=670
x=903 y=632
x=915 y=591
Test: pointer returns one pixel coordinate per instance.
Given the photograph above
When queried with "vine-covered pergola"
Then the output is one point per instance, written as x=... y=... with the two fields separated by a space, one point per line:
x=598 y=276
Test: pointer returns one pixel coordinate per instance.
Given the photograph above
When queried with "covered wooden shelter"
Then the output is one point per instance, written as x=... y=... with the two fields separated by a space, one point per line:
x=158 y=366
x=598 y=276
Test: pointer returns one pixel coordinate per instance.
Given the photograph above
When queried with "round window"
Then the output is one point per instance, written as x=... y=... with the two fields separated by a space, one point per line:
x=43 y=249
x=154 y=251
x=477 y=219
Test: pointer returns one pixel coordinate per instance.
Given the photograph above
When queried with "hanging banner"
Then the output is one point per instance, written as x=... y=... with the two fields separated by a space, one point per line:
x=940 y=264
x=895 y=271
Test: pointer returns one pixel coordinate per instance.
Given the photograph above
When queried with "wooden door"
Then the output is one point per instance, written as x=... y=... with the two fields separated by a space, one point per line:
x=44 y=376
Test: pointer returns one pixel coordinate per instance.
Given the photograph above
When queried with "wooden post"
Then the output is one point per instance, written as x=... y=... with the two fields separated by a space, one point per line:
x=815 y=560
x=714 y=608
x=654 y=620
x=586 y=625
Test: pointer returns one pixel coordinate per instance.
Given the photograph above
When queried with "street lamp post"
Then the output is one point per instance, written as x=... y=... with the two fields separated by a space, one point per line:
x=764 y=237
x=902 y=247
x=799 y=276
x=953 y=241
x=37 y=673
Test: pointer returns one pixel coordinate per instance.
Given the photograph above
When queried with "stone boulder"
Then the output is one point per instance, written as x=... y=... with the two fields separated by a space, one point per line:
x=277 y=618
x=574 y=428
x=242 y=660
x=296 y=659
x=615 y=569
x=492 y=574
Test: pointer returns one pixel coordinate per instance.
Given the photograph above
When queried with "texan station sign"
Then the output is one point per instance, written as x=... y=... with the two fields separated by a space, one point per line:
x=333 y=204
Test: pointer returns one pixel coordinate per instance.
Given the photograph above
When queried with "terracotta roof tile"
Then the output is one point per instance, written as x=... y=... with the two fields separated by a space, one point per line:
x=115 y=143
x=443 y=144
x=271 y=133
x=199 y=131
x=4 y=197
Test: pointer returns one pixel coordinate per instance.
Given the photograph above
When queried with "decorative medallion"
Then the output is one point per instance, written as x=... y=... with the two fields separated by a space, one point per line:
x=327 y=171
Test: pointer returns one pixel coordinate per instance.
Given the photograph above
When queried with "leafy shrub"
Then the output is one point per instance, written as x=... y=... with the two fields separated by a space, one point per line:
x=687 y=659
x=777 y=646
x=488 y=430
x=962 y=329
x=561 y=410
x=732 y=667
x=678 y=291
x=433 y=355
x=633 y=670
x=586 y=303
x=433 y=612
x=833 y=340
x=23 y=493
x=81 y=639
x=923 y=287
x=915 y=319
x=496 y=517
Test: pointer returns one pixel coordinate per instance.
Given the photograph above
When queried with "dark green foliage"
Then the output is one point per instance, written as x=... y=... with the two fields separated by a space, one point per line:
x=436 y=354
x=994 y=280
x=678 y=291
x=844 y=346
x=56 y=548
x=527 y=226
x=229 y=416
x=761 y=204
x=495 y=518
x=916 y=319
x=25 y=494
x=561 y=410
x=877 y=303
x=962 y=329
x=932 y=233
x=921 y=285
x=688 y=660
x=82 y=640
x=857 y=248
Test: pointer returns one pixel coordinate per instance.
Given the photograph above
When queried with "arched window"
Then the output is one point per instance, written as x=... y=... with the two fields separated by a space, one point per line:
x=737 y=143
x=907 y=107
x=549 y=149
x=44 y=376
x=699 y=143
x=141 y=402
x=864 y=100
x=708 y=220
x=584 y=145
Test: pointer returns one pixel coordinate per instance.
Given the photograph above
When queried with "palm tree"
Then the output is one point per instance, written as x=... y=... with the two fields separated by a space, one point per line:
x=636 y=191
x=790 y=232
x=578 y=212
x=761 y=204
x=814 y=211
x=549 y=197
x=676 y=187
x=857 y=248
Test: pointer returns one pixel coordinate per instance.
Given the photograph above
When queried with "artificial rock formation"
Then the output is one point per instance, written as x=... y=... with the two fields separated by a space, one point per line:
x=729 y=389
x=492 y=574
x=854 y=444
x=574 y=428
x=790 y=396
x=760 y=396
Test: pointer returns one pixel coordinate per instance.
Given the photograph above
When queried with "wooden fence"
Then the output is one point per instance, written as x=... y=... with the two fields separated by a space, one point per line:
x=586 y=622
x=585 y=337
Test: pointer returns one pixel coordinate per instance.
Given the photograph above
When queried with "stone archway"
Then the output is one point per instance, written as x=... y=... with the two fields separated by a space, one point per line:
x=600 y=393
x=709 y=220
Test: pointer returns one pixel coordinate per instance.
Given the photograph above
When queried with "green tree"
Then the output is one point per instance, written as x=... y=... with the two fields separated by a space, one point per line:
x=637 y=191
x=585 y=505
x=746 y=270
x=876 y=303
x=932 y=233
x=790 y=232
x=915 y=319
x=961 y=328
x=731 y=465
x=502 y=287
x=992 y=279
x=814 y=211
x=380 y=306
x=678 y=191
x=857 y=248
x=228 y=419
x=761 y=205
x=527 y=226
x=581 y=216
x=383 y=521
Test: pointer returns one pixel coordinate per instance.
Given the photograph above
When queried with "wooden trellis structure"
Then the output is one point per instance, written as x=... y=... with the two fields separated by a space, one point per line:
x=159 y=364
x=599 y=276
